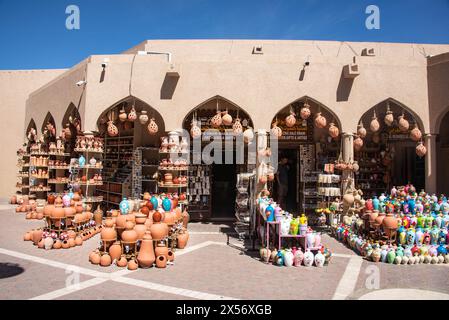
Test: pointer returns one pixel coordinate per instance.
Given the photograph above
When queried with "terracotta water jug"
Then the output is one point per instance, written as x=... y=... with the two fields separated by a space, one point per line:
x=105 y=260
x=37 y=236
x=182 y=239
x=159 y=230
x=108 y=233
x=94 y=257
x=122 y=262
x=161 y=249
x=98 y=216
x=115 y=250
x=161 y=261
x=132 y=264
x=129 y=235
x=146 y=256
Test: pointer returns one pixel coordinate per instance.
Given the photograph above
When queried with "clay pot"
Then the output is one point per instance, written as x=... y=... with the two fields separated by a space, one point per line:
x=105 y=260
x=40 y=244
x=120 y=221
x=129 y=235
x=122 y=262
x=152 y=127
x=415 y=134
x=27 y=236
x=305 y=112
x=170 y=218
x=358 y=143
x=13 y=200
x=290 y=120
x=161 y=250
x=320 y=121
x=57 y=244
x=140 y=229
x=115 y=250
x=389 y=224
x=98 y=216
x=94 y=257
x=226 y=118
x=159 y=230
x=333 y=131
x=195 y=131
x=237 y=127
x=112 y=129
x=185 y=219
x=374 y=125
x=182 y=239
x=348 y=199
x=275 y=130
x=389 y=119
x=79 y=241
x=65 y=244
x=71 y=242
x=51 y=199
x=145 y=210
x=108 y=233
x=170 y=256
x=161 y=262
x=48 y=209
x=132 y=115
x=146 y=255
x=216 y=120
x=403 y=124
x=37 y=236
x=421 y=150
x=132 y=265
x=379 y=219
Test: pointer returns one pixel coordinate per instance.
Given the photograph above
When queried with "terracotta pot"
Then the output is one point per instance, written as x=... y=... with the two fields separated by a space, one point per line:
x=13 y=200
x=403 y=123
x=98 y=216
x=421 y=150
x=276 y=131
x=71 y=242
x=159 y=230
x=389 y=119
x=65 y=244
x=185 y=218
x=226 y=118
x=57 y=244
x=195 y=131
x=305 y=112
x=115 y=250
x=120 y=221
x=152 y=127
x=320 y=121
x=140 y=218
x=51 y=199
x=161 y=261
x=40 y=244
x=122 y=262
x=290 y=120
x=140 y=229
x=37 y=236
x=146 y=255
x=95 y=258
x=129 y=235
x=171 y=256
x=374 y=125
x=132 y=265
x=48 y=209
x=379 y=219
x=170 y=218
x=416 y=134
x=390 y=224
x=333 y=131
x=27 y=236
x=105 y=260
x=161 y=250
x=145 y=210
x=79 y=241
x=182 y=239
x=358 y=143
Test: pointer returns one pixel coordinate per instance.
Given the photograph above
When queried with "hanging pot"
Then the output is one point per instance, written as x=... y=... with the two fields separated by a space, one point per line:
x=195 y=131
x=290 y=120
x=421 y=150
x=216 y=120
x=333 y=130
x=143 y=118
x=237 y=127
x=361 y=131
x=358 y=143
x=403 y=123
x=320 y=121
x=112 y=129
x=122 y=116
x=248 y=135
x=226 y=118
x=374 y=125
x=415 y=134
x=305 y=112
x=389 y=119
x=152 y=127
x=132 y=115
x=275 y=130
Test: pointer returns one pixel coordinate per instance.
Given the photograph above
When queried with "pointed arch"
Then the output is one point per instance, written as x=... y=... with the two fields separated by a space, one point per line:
x=72 y=117
x=31 y=125
x=48 y=120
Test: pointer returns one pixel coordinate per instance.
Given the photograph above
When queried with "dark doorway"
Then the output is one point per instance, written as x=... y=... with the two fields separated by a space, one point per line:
x=223 y=190
x=292 y=156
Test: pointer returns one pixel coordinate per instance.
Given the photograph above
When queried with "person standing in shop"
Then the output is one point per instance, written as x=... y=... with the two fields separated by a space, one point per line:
x=282 y=182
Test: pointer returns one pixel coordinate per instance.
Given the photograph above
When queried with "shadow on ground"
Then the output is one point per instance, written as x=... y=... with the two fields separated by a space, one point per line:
x=8 y=270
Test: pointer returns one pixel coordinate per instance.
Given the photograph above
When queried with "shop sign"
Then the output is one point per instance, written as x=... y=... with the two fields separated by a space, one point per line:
x=301 y=131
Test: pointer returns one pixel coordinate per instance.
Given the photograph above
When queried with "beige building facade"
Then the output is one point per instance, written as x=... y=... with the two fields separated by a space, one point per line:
x=260 y=76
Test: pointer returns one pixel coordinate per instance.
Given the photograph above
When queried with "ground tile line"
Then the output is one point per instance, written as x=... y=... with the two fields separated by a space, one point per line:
x=170 y=289
x=70 y=289
x=349 y=279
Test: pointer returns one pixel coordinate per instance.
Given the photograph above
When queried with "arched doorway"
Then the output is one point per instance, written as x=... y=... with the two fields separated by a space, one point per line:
x=31 y=133
x=48 y=129
x=307 y=148
x=443 y=156
x=212 y=187
x=131 y=156
x=388 y=156
x=71 y=122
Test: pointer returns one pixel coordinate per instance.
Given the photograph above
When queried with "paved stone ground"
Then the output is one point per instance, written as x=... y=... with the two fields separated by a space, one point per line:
x=208 y=268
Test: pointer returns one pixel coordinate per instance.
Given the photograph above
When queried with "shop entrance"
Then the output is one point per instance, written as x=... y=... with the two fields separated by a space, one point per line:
x=223 y=190
x=294 y=179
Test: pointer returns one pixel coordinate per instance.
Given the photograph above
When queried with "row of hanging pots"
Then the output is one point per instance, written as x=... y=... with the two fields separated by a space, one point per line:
x=113 y=130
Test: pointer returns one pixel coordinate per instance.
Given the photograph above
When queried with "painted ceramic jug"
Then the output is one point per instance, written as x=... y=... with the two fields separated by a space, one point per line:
x=319 y=259
x=298 y=258
x=308 y=258
x=124 y=206
x=288 y=258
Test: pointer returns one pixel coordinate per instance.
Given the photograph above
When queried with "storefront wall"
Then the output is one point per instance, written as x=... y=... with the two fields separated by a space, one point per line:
x=261 y=84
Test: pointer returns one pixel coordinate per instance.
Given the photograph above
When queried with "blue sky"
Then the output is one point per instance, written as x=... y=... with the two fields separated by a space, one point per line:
x=34 y=35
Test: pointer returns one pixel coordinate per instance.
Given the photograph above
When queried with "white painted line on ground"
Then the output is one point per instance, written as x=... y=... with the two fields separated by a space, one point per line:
x=193 y=248
x=400 y=294
x=206 y=232
x=342 y=255
x=70 y=289
x=171 y=290
x=349 y=279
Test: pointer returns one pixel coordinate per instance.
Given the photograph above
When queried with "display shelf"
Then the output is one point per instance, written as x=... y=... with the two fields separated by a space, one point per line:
x=173 y=169
x=88 y=150
x=172 y=185
x=58 y=167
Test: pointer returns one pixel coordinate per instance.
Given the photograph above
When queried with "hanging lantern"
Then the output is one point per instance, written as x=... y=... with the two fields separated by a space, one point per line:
x=374 y=125
x=248 y=135
x=122 y=116
x=421 y=150
x=290 y=120
x=403 y=123
x=143 y=118
x=216 y=120
x=358 y=143
x=275 y=130
x=320 y=121
x=132 y=115
x=112 y=129
x=361 y=131
x=226 y=118
x=237 y=127
x=305 y=111
x=195 y=131
x=333 y=130
x=416 y=134
x=389 y=119
x=152 y=127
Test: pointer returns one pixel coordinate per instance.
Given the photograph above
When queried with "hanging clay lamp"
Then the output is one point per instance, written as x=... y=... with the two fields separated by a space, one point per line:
x=195 y=131
x=112 y=129
x=361 y=131
x=305 y=111
x=237 y=127
x=333 y=130
x=146 y=256
x=320 y=121
x=132 y=115
x=226 y=118
x=358 y=143
x=152 y=127
x=216 y=120
x=143 y=118
x=290 y=120
x=374 y=125
x=389 y=119
x=415 y=134
x=421 y=150
x=275 y=130
x=122 y=116
x=403 y=123
x=248 y=135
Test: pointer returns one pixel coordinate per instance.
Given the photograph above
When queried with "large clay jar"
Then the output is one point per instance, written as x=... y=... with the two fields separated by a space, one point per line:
x=159 y=230
x=108 y=233
x=170 y=218
x=115 y=251
x=122 y=262
x=120 y=221
x=185 y=218
x=161 y=261
x=379 y=219
x=182 y=239
x=105 y=260
x=140 y=227
x=48 y=209
x=390 y=224
x=129 y=235
x=146 y=256
x=161 y=250
x=98 y=216
x=58 y=211
x=37 y=236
